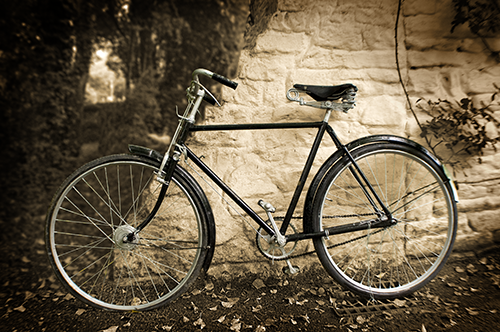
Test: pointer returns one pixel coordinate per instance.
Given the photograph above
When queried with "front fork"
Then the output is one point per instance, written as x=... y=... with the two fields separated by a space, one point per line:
x=171 y=158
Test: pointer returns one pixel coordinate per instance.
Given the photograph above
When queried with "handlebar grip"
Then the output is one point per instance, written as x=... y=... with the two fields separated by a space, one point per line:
x=227 y=82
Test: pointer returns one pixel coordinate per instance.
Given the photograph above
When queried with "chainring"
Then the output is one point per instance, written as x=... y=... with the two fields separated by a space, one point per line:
x=269 y=247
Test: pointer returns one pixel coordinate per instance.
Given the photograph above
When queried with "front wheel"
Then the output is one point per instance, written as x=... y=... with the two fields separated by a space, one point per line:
x=396 y=260
x=98 y=207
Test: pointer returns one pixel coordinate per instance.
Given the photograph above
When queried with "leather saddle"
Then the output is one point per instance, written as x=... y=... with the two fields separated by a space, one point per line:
x=325 y=92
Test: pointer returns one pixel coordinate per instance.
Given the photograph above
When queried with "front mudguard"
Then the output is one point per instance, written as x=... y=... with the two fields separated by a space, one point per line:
x=352 y=146
x=207 y=209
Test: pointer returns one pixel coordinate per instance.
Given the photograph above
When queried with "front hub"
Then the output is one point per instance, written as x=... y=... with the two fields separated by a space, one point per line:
x=125 y=237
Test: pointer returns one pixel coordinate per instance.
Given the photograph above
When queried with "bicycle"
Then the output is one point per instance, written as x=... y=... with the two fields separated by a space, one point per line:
x=133 y=231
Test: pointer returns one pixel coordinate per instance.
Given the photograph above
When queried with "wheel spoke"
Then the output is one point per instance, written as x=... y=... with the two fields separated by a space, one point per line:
x=396 y=260
x=93 y=214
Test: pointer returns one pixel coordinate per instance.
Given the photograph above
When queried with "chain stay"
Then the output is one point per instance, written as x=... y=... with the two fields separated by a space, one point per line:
x=333 y=245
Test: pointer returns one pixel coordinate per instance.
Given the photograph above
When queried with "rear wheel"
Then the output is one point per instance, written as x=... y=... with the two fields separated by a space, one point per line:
x=393 y=261
x=94 y=212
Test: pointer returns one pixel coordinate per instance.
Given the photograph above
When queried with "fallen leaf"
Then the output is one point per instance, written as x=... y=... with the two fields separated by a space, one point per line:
x=196 y=292
x=293 y=321
x=459 y=269
x=360 y=320
x=301 y=302
x=235 y=325
x=260 y=328
x=257 y=308
x=472 y=311
x=258 y=283
x=28 y=295
x=127 y=325
x=111 y=329
x=209 y=286
x=471 y=269
x=68 y=297
x=25 y=259
x=79 y=312
x=185 y=319
x=274 y=291
x=221 y=319
x=423 y=328
x=167 y=328
x=399 y=303
x=21 y=308
x=42 y=285
x=213 y=308
x=200 y=323
x=483 y=260
x=230 y=302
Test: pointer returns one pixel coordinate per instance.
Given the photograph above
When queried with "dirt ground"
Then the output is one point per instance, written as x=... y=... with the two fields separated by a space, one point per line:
x=464 y=297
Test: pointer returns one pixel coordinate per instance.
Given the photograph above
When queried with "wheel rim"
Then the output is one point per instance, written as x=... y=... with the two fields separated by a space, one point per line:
x=400 y=258
x=97 y=210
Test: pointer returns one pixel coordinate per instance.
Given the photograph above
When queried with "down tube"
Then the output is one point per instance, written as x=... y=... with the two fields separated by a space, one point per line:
x=248 y=210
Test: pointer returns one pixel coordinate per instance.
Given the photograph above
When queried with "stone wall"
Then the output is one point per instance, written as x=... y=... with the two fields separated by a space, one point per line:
x=331 y=42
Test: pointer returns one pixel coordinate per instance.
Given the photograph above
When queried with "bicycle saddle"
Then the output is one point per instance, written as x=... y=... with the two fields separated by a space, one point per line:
x=325 y=92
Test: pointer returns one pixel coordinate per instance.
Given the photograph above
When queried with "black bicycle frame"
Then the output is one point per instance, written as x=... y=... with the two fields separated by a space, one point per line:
x=322 y=127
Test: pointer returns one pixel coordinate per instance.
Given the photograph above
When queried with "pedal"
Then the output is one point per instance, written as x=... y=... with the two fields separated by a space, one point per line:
x=290 y=269
x=266 y=206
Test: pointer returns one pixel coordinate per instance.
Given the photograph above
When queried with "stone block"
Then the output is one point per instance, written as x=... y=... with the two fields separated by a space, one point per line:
x=432 y=58
x=434 y=26
x=377 y=16
x=304 y=21
x=249 y=93
x=384 y=111
x=280 y=42
x=263 y=68
x=292 y=5
x=481 y=81
x=379 y=38
x=424 y=82
x=484 y=221
x=474 y=241
x=419 y=7
x=340 y=36
x=479 y=204
x=325 y=58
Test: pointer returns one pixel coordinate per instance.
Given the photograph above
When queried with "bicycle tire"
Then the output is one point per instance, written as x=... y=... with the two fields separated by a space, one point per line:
x=395 y=261
x=99 y=205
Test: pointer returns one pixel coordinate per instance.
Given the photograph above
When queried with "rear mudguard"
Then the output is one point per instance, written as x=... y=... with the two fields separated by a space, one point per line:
x=311 y=193
x=207 y=209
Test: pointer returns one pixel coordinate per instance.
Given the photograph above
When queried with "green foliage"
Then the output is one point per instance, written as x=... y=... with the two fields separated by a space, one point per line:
x=461 y=129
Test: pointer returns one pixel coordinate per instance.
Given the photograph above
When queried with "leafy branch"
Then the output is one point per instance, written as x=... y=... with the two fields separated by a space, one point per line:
x=482 y=17
x=460 y=129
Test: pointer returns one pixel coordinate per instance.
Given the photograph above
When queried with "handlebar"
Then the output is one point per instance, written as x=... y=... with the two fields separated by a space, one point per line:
x=216 y=77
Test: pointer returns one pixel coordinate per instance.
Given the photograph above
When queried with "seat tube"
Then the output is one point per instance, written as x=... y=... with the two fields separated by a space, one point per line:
x=303 y=177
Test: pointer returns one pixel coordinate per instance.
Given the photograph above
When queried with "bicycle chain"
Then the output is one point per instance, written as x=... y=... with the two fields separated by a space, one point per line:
x=333 y=245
